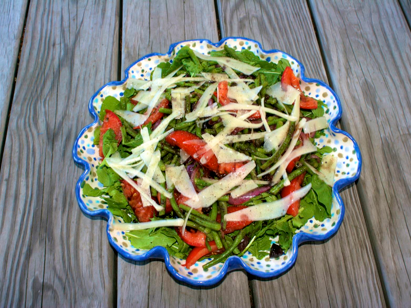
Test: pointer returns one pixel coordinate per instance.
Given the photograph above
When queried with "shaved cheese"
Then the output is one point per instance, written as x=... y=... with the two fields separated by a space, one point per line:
x=178 y=104
x=272 y=140
x=186 y=91
x=285 y=97
x=183 y=156
x=223 y=153
x=215 y=77
x=178 y=222
x=259 y=182
x=234 y=106
x=245 y=187
x=155 y=158
x=286 y=180
x=202 y=103
x=237 y=122
x=296 y=108
x=163 y=125
x=244 y=137
x=136 y=119
x=263 y=116
x=289 y=149
x=308 y=147
x=157 y=73
x=230 y=62
x=181 y=180
x=314 y=125
x=158 y=176
x=215 y=191
x=327 y=170
x=138 y=84
x=243 y=97
x=268 y=210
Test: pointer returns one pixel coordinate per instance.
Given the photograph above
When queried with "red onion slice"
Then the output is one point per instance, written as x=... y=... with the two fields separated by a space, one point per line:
x=247 y=196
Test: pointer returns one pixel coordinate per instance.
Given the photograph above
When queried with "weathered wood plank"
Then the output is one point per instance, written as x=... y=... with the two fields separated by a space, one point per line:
x=12 y=14
x=406 y=7
x=51 y=253
x=163 y=23
x=342 y=271
x=366 y=47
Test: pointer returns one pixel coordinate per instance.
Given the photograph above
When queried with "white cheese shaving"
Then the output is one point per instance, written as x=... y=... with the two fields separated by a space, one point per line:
x=285 y=97
x=230 y=62
x=234 y=106
x=290 y=148
x=308 y=147
x=268 y=210
x=245 y=187
x=181 y=180
x=178 y=222
x=223 y=153
x=178 y=104
x=229 y=120
x=138 y=84
x=259 y=182
x=314 y=125
x=136 y=119
x=243 y=97
x=202 y=103
x=263 y=116
x=183 y=156
x=215 y=191
x=243 y=137
x=272 y=140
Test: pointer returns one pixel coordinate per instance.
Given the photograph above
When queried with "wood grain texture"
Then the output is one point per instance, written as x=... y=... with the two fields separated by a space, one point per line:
x=12 y=14
x=342 y=271
x=406 y=8
x=366 y=47
x=52 y=254
x=163 y=23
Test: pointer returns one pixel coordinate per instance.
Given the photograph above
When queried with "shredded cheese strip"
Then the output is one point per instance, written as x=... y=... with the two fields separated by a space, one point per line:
x=234 y=106
x=178 y=222
x=208 y=93
x=289 y=149
x=268 y=210
x=213 y=192
x=181 y=180
x=244 y=137
x=245 y=187
x=224 y=154
x=230 y=62
x=314 y=125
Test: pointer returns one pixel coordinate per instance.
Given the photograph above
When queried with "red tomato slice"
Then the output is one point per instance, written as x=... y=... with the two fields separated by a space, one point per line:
x=289 y=79
x=222 y=93
x=143 y=213
x=307 y=102
x=111 y=121
x=234 y=225
x=195 y=238
x=199 y=252
x=168 y=208
x=155 y=114
x=295 y=185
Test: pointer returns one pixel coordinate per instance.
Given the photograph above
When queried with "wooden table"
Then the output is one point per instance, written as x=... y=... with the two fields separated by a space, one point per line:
x=55 y=54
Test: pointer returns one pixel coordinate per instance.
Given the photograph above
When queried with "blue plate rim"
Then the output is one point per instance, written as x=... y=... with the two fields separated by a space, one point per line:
x=233 y=262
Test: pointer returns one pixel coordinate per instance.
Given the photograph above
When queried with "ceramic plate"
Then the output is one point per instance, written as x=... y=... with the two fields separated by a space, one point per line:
x=345 y=149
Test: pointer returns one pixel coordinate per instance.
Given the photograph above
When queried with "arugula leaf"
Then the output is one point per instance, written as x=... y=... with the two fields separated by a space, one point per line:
x=261 y=247
x=323 y=192
x=109 y=143
x=130 y=92
x=165 y=237
x=92 y=192
x=282 y=65
x=107 y=176
x=96 y=140
x=325 y=150
x=165 y=67
x=109 y=103
x=192 y=67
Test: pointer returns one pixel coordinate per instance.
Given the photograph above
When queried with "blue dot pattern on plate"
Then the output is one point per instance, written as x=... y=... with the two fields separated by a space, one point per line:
x=343 y=147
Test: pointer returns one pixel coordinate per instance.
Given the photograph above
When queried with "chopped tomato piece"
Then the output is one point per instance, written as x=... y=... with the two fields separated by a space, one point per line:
x=156 y=114
x=222 y=93
x=234 y=225
x=195 y=147
x=291 y=164
x=289 y=79
x=307 y=102
x=192 y=238
x=295 y=185
x=199 y=252
x=111 y=121
x=168 y=208
x=143 y=213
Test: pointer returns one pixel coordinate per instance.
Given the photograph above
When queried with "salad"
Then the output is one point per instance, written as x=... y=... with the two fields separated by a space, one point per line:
x=214 y=156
